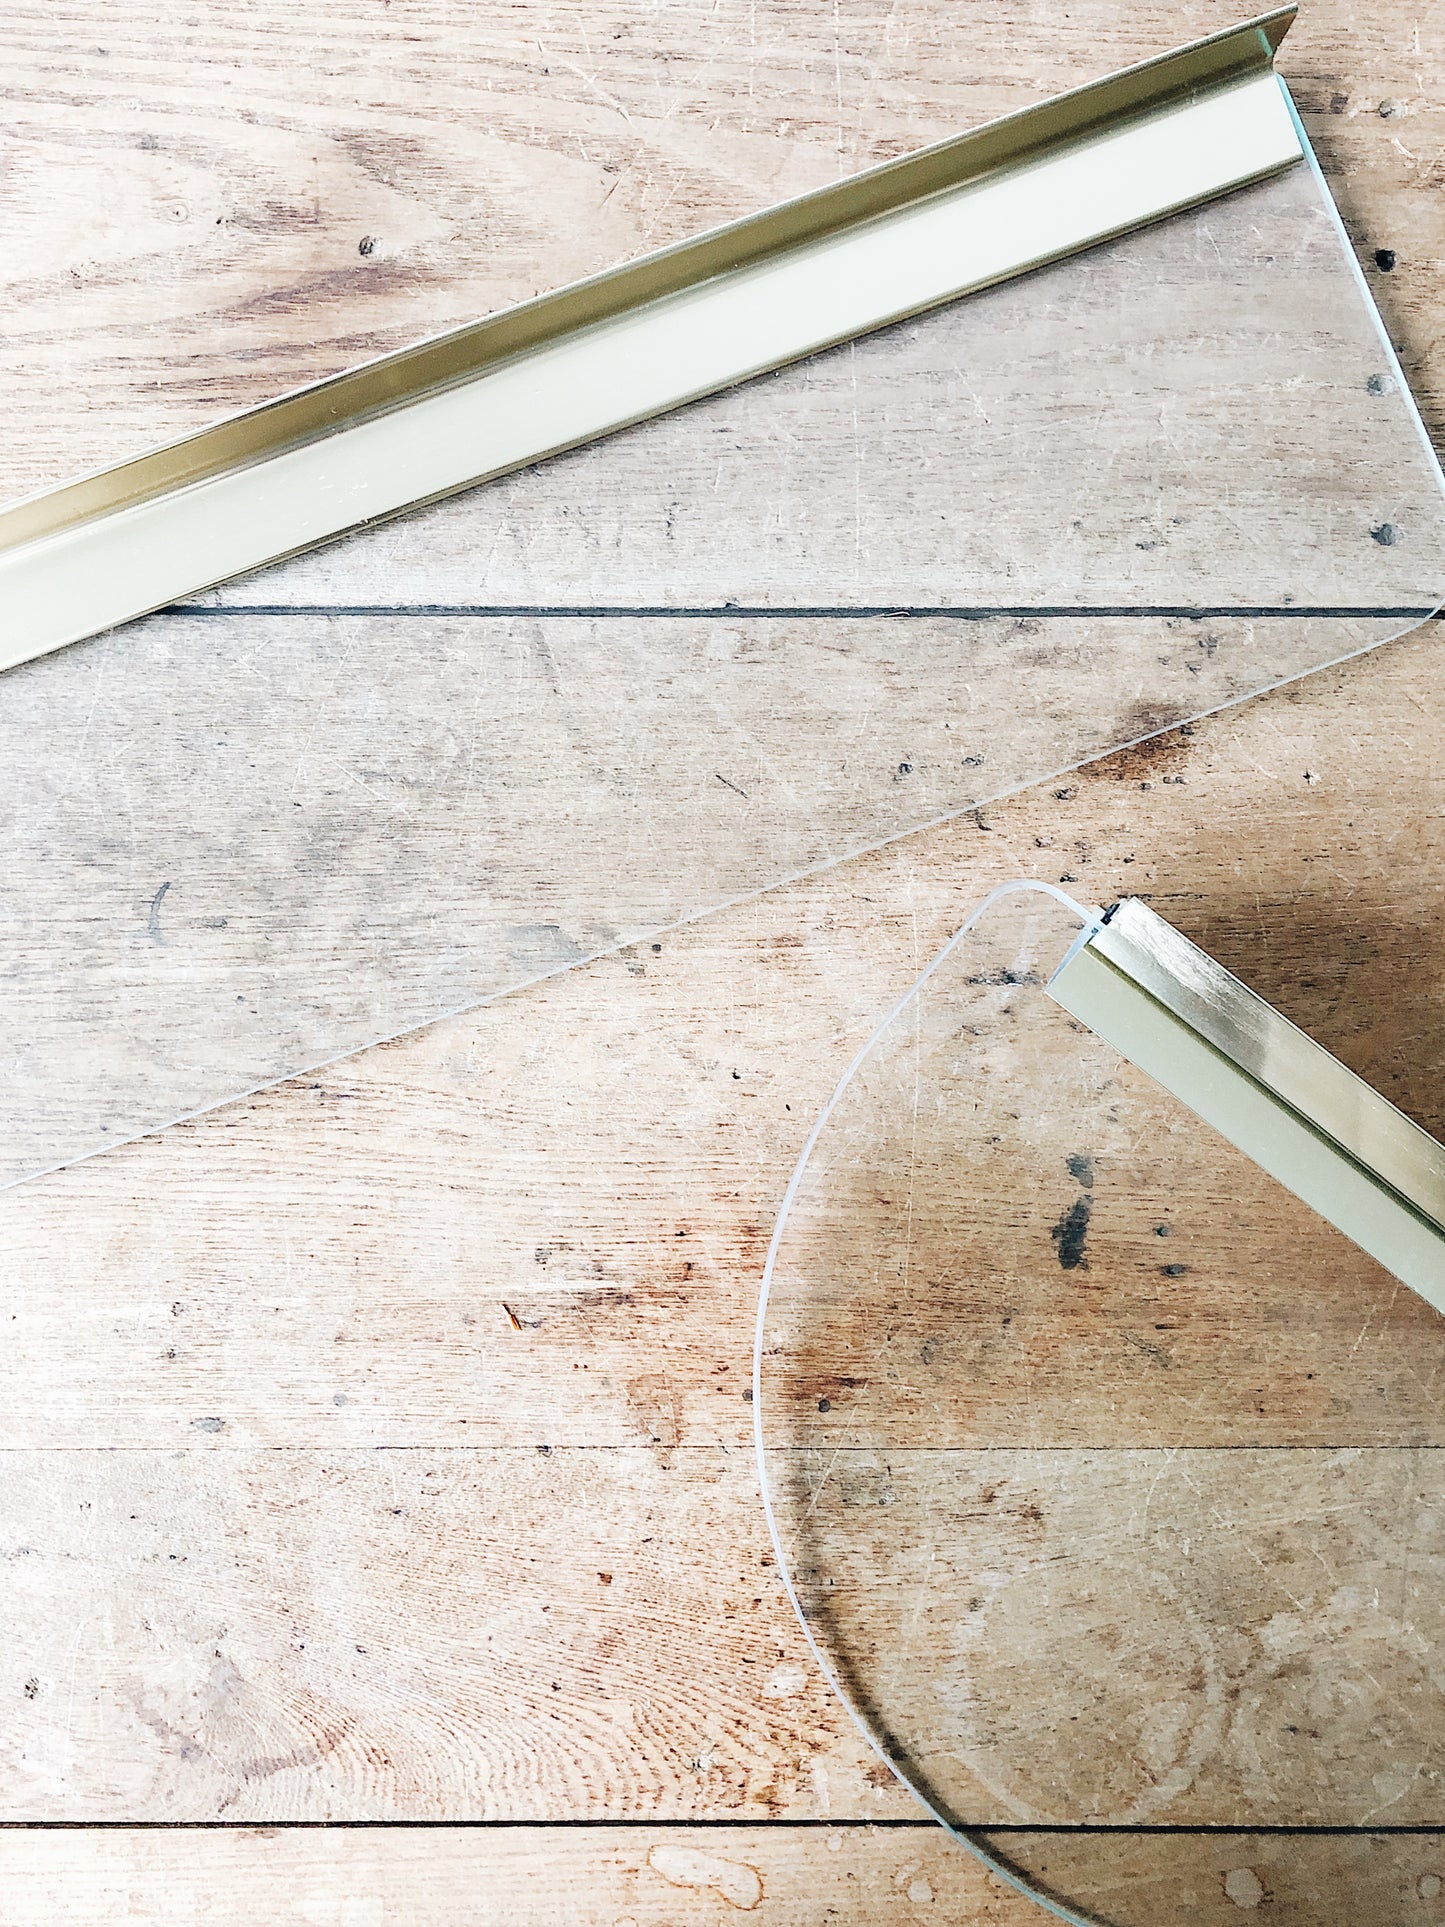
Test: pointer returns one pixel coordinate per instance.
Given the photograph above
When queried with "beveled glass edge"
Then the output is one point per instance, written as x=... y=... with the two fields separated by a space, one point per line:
x=447 y=360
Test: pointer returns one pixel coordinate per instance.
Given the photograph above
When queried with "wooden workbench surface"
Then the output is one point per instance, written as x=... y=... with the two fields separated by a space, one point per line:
x=376 y=1449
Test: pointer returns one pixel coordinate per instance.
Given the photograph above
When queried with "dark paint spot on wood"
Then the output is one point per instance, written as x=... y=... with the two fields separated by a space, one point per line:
x=1070 y=1232
x=1081 y=1169
x=1385 y=259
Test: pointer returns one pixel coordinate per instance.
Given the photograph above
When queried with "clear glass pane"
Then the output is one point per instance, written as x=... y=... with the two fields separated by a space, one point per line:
x=1032 y=1343
x=555 y=716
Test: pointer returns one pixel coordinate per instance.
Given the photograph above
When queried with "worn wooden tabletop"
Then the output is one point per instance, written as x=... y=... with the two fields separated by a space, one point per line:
x=376 y=1449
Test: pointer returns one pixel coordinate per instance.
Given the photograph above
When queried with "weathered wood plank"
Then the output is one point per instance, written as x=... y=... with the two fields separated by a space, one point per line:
x=1070 y=439
x=605 y=1157
x=1133 y=1638
x=1143 y=1881
x=1300 y=842
x=498 y=1635
x=205 y=213
x=992 y=1177
x=245 y=203
x=512 y=1877
x=357 y=824
x=347 y=826
x=1170 y=1637
x=695 y=1876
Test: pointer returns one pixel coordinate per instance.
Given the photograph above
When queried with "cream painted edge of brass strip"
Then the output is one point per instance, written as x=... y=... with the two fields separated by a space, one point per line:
x=107 y=566
x=1151 y=1018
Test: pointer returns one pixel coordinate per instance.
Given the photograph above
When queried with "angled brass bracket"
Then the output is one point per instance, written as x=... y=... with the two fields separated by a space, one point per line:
x=1280 y=1097
x=576 y=364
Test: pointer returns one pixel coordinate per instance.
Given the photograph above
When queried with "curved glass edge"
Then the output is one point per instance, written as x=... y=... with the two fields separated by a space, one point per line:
x=1020 y=1883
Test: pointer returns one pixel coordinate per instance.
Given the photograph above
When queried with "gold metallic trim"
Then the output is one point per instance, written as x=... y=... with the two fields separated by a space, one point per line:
x=1271 y=1090
x=1086 y=118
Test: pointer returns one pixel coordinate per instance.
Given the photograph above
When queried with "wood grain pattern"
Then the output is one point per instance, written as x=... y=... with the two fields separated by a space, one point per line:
x=311 y=1259
x=1134 y=1638
x=359 y=819
x=269 y=194
x=494 y=1635
x=513 y=1877
x=1216 y=377
x=1316 y=1882
x=1131 y=1638
x=206 y=211
x=778 y=1876
x=348 y=825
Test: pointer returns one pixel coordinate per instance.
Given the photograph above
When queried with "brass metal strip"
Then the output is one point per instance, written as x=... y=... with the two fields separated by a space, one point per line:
x=645 y=337
x=1271 y=1090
